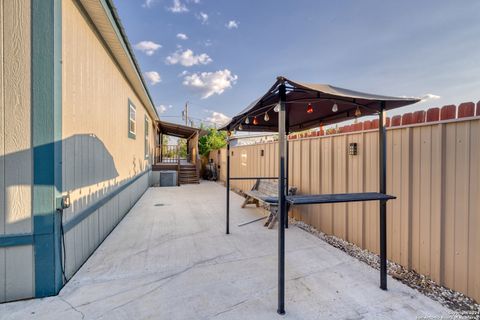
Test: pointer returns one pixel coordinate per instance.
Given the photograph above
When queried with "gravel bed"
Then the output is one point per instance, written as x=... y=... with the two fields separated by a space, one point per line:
x=463 y=306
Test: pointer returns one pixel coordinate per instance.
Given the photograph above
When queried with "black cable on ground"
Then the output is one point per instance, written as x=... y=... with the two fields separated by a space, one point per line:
x=63 y=248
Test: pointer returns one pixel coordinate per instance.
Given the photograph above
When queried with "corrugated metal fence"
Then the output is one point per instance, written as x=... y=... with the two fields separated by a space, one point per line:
x=433 y=169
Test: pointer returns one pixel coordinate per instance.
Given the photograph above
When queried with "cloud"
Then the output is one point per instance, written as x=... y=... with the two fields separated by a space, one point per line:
x=232 y=24
x=162 y=108
x=203 y=17
x=153 y=77
x=187 y=58
x=430 y=96
x=147 y=47
x=183 y=73
x=217 y=117
x=182 y=36
x=177 y=7
x=148 y=3
x=210 y=83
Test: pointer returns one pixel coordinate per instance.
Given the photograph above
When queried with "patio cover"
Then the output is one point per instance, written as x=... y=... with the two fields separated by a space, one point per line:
x=294 y=99
x=322 y=97
x=178 y=130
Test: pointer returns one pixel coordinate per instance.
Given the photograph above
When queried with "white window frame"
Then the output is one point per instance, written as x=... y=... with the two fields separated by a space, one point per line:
x=131 y=107
x=147 y=137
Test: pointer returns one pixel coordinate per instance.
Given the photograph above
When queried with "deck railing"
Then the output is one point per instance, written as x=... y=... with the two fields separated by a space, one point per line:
x=167 y=153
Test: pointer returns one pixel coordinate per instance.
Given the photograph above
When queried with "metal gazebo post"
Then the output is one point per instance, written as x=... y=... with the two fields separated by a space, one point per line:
x=281 y=199
x=287 y=160
x=228 y=187
x=383 y=203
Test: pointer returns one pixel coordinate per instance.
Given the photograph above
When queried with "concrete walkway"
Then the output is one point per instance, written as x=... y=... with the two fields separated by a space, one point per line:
x=170 y=259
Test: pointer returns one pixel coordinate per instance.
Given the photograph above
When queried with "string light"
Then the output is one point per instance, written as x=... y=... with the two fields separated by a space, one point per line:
x=229 y=133
x=309 y=108
x=277 y=108
x=255 y=121
x=266 y=117
x=240 y=127
x=247 y=121
x=335 y=107
x=358 y=113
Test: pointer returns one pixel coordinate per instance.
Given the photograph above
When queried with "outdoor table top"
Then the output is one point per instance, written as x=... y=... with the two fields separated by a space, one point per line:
x=332 y=198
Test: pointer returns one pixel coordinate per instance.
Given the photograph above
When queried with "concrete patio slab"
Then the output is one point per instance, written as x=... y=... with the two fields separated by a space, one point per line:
x=170 y=259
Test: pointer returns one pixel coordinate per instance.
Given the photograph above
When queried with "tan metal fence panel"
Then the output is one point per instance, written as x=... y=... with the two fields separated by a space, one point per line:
x=432 y=168
x=474 y=212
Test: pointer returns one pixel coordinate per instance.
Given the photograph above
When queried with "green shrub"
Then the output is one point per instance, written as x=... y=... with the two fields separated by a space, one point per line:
x=214 y=140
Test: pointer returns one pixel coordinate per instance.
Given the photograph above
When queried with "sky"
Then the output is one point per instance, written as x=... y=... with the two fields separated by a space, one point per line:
x=220 y=55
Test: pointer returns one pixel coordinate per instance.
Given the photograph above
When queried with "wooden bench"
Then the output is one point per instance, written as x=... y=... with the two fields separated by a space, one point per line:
x=263 y=190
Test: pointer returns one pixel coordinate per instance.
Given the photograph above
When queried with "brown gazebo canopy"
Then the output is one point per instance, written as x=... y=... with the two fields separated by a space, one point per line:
x=292 y=105
x=321 y=97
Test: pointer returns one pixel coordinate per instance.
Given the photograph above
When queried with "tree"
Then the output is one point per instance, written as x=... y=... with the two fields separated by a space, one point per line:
x=182 y=143
x=214 y=140
x=165 y=140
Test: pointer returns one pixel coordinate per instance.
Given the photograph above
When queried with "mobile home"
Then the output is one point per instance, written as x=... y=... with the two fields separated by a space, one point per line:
x=77 y=131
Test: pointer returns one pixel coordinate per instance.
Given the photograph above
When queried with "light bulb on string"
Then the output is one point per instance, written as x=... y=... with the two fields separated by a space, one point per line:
x=335 y=107
x=247 y=121
x=255 y=121
x=309 y=108
x=266 y=117
x=240 y=127
x=358 y=113
x=277 y=108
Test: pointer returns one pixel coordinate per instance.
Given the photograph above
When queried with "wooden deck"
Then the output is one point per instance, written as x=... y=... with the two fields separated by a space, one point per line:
x=164 y=166
x=187 y=172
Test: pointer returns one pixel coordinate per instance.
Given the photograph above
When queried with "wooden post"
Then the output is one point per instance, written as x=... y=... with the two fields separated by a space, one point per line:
x=178 y=164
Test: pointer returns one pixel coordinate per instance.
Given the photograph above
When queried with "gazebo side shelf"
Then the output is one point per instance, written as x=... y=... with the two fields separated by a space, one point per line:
x=253 y=178
x=303 y=106
x=333 y=198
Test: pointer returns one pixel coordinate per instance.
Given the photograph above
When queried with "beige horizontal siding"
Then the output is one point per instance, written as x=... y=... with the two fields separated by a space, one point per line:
x=98 y=155
x=16 y=263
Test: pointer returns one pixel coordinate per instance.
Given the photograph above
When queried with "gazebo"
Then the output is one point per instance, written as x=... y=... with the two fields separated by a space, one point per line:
x=292 y=106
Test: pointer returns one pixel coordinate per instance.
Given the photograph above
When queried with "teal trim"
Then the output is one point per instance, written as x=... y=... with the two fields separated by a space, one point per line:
x=46 y=139
x=12 y=240
x=58 y=165
x=132 y=135
x=85 y=213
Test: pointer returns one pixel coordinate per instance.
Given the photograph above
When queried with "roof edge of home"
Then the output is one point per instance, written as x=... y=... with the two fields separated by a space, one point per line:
x=123 y=34
x=133 y=71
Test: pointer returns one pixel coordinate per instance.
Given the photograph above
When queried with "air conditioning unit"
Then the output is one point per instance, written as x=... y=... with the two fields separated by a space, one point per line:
x=168 y=178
